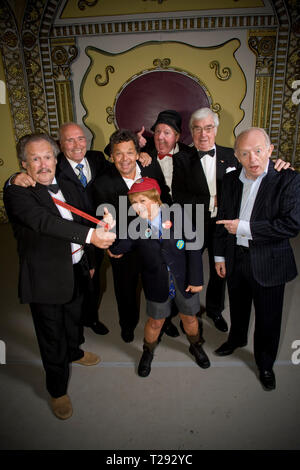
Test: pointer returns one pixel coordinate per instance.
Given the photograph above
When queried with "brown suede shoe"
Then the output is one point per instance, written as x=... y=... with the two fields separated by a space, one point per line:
x=88 y=359
x=62 y=407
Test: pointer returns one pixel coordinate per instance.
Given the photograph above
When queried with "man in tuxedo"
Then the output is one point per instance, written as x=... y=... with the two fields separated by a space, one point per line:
x=53 y=264
x=259 y=212
x=197 y=179
x=115 y=182
x=78 y=168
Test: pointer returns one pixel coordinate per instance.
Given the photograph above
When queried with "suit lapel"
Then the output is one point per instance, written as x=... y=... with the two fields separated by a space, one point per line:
x=198 y=174
x=220 y=164
x=45 y=198
x=264 y=188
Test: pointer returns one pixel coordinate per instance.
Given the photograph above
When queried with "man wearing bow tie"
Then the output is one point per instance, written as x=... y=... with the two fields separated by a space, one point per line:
x=78 y=168
x=198 y=180
x=53 y=264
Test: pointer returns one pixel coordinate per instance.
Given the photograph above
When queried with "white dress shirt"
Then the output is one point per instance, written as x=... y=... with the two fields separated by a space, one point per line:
x=86 y=168
x=166 y=165
x=76 y=249
x=129 y=181
x=209 y=165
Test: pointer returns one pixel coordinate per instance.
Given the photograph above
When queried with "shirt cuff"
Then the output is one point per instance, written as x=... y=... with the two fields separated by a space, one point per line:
x=89 y=235
x=219 y=259
x=243 y=229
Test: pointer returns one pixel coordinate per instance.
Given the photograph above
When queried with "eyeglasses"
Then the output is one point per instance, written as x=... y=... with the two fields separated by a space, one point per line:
x=207 y=129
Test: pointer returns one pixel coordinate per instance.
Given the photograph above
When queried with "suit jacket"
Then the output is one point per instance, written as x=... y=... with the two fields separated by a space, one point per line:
x=65 y=173
x=156 y=255
x=275 y=218
x=189 y=181
x=183 y=154
x=109 y=186
x=79 y=196
x=43 y=238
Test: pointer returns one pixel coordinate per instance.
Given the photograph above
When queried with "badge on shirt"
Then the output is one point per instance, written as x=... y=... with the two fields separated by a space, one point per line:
x=180 y=244
x=167 y=224
x=148 y=232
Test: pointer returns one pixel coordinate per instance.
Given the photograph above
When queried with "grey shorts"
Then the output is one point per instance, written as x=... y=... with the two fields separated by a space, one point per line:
x=187 y=306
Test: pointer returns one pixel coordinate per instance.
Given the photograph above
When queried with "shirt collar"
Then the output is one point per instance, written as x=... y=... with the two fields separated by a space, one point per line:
x=74 y=164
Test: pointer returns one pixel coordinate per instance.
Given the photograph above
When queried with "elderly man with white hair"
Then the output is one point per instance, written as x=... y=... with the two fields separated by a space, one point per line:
x=198 y=180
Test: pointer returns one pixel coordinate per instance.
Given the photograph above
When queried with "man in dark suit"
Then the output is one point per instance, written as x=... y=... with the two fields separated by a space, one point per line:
x=197 y=179
x=53 y=264
x=80 y=180
x=108 y=189
x=259 y=212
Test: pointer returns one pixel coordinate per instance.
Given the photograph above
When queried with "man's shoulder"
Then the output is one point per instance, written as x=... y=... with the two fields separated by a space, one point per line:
x=225 y=151
x=94 y=154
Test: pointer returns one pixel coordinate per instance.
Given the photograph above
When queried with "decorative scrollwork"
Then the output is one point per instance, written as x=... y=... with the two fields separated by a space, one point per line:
x=216 y=108
x=1 y=162
x=226 y=72
x=111 y=116
x=85 y=3
x=98 y=77
x=163 y=64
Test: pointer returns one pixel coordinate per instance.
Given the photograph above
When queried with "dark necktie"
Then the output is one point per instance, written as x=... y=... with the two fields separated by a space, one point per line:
x=81 y=176
x=161 y=156
x=54 y=188
x=210 y=152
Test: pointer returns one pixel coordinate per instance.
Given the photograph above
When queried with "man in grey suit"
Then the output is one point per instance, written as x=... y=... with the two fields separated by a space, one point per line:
x=259 y=213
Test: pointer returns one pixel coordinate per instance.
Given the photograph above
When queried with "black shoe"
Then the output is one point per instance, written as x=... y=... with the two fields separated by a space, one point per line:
x=267 y=379
x=200 y=355
x=127 y=335
x=99 y=328
x=144 y=367
x=219 y=322
x=226 y=349
x=170 y=329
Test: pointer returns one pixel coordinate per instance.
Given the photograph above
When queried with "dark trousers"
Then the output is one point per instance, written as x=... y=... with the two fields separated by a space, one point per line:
x=126 y=279
x=268 y=303
x=58 y=330
x=92 y=293
x=215 y=291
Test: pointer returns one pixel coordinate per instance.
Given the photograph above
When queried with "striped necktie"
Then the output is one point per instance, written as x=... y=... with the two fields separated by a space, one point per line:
x=81 y=176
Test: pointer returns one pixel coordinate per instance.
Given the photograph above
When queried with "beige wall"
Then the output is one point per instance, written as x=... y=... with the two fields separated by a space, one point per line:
x=8 y=157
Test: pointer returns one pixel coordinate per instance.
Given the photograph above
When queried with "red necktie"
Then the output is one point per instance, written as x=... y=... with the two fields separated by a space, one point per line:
x=160 y=156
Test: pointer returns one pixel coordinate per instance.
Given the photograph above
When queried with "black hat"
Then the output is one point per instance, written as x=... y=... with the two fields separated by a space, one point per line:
x=169 y=117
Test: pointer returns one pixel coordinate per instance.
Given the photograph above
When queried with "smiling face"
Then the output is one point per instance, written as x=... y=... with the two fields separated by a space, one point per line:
x=204 y=133
x=124 y=156
x=165 y=138
x=253 y=152
x=73 y=142
x=145 y=207
x=40 y=161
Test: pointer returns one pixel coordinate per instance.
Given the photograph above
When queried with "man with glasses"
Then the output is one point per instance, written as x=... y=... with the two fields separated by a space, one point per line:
x=198 y=180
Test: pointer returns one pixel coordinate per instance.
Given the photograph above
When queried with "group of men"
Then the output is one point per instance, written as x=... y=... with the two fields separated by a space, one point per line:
x=249 y=216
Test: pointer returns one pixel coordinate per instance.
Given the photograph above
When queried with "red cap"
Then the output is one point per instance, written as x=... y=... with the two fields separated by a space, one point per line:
x=144 y=184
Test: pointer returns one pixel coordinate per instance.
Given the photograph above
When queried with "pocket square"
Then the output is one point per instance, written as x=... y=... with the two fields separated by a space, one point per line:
x=230 y=168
